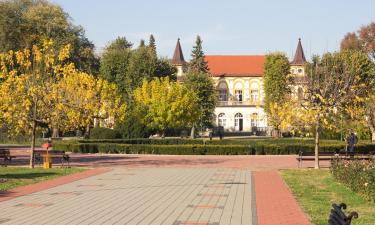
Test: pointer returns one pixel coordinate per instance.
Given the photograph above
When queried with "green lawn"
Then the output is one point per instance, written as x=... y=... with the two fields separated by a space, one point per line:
x=316 y=190
x=11 y=177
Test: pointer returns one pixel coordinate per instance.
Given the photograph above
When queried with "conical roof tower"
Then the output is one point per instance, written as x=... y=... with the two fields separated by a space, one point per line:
x=299 y=57
x=178 y=56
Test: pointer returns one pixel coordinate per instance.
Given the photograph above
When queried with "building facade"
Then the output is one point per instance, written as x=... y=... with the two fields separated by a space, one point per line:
x=239 y=82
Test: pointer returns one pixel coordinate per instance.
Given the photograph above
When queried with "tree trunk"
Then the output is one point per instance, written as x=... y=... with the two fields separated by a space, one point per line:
x=192 y=133
x=373 y=134
x=317 y=127
x=55 y=132
x=32 y=144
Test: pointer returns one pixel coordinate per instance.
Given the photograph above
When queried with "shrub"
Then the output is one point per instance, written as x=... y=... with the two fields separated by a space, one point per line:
x=358 y=175
x=104 y=133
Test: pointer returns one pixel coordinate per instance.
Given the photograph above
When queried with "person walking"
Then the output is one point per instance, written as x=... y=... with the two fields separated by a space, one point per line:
x=351 y=142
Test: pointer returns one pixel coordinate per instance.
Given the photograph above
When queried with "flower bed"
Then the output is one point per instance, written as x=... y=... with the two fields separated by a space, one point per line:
x=358 y=175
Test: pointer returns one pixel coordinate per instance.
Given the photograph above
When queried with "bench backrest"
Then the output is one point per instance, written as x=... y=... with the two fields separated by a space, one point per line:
x=338 y=217
x=313 y=153
x=4 y=152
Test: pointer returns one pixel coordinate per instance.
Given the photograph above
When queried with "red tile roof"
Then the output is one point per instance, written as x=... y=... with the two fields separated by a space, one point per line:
x=236 y=65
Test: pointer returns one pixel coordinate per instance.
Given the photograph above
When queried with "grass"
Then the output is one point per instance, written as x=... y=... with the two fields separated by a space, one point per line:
x=11 y=177
x=316 y=190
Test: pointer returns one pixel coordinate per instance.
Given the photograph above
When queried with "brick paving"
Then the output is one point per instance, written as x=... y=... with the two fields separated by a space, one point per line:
x=274 y=202
x=175 y=196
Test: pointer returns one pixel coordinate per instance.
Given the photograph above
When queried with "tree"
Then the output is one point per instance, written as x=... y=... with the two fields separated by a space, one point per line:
x=276 y=87
x=163 y=104
x=24 y=23
x=115 y=62
x=203 y=86
x=152 y=44
x=336 y=82
x=364 y=40
x=198 y=63
x=27 y=89
x=42 y=89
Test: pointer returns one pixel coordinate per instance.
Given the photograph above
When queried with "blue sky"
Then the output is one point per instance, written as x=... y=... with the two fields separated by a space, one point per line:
x=226 y=27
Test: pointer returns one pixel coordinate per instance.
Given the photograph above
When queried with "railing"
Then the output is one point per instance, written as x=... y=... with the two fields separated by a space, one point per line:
x=240 y=103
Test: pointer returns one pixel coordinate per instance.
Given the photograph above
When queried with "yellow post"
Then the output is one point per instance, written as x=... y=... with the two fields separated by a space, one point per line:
x=46 y=161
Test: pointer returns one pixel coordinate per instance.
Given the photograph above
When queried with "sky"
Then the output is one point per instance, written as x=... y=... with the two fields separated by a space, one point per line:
x=232 y=27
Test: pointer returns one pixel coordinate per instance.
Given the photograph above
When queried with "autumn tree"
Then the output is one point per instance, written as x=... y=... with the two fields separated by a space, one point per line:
x=24 y=23
x=41 y=88
x=364 y=40
x=335 y=82
x=276 y=87
x=162 y=104
x=198 y=64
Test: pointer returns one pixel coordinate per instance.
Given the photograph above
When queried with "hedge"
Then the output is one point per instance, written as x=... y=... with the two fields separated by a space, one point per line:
x=358 y=175
x=191 y=147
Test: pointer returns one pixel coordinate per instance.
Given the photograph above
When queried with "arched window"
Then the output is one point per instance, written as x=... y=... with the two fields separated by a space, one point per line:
x=222 y=88
x=238 y=87
x=254 y=92
x=238 y=122
x=222 y=120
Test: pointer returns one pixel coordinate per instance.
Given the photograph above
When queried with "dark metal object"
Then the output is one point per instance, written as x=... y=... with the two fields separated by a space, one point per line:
x=5 y=154
x=338 y=217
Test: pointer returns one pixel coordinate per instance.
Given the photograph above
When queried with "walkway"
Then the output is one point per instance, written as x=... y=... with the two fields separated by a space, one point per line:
x=164 y=196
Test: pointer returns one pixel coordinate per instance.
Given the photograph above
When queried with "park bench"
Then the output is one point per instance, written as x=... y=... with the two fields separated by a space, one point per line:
x=53 y=154
x=325 y=156
x=5 y=154
x=310 y=156
x=338 y=217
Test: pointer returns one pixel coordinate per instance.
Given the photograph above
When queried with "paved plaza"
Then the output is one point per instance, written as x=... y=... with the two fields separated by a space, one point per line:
x=157 y=196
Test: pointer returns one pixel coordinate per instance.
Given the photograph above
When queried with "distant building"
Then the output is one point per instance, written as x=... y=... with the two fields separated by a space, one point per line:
x=239 y=82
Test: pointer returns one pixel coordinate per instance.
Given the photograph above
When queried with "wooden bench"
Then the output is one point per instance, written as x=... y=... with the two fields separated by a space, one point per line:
x=310 y=156
x=338 y=217
x=53 y=154
x=5 y=154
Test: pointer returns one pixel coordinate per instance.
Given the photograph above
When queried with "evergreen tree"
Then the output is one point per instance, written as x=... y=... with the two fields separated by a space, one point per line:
x=142 y=43
x=152 y=44
x=198 y=63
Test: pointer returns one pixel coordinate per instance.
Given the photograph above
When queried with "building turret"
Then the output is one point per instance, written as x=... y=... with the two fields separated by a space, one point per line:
x=178 y=59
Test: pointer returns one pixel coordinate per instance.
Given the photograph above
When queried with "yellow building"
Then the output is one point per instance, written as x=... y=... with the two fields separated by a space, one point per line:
x=239 y=82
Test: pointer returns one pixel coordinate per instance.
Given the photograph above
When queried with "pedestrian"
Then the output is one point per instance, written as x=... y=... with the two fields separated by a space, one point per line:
x=351 y=141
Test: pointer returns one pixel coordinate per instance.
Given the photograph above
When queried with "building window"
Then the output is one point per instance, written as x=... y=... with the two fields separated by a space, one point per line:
x=254 y=95
x=238 y=94
x=238 y=122
x=222 y=120
x=300 y=71
x=223 y=96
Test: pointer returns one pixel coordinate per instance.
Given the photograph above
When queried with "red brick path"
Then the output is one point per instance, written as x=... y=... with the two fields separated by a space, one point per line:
x=274 y=202
x=29 y=189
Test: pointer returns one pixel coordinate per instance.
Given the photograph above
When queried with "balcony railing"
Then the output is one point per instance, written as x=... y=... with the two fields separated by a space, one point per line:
x=240 y=103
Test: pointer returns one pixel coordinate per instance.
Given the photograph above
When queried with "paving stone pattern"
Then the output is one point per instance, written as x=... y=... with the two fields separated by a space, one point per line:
x=157 y=196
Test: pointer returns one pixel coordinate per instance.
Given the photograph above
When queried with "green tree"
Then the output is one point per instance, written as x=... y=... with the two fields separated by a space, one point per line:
x=115 y=62
x=276 y=87
x=337 y=81
x=162 y=104
x=203 y=86
x=152 y=44
x=198 y=63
